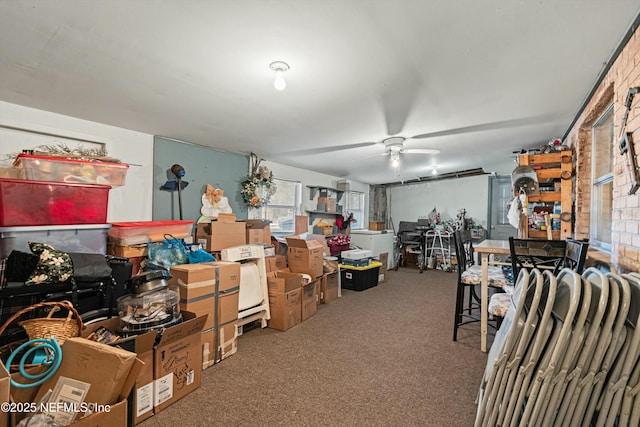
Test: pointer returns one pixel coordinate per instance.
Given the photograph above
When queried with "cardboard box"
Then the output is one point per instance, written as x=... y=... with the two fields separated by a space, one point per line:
x=283 y=282
x=286 y=309
x=226 y=217
x=275 y=263
x=128 y=251
x=258 y=231
x=178 y=361
x=330 y=203
x=219 y=343
x=305 y=256
x=323 y=230
x=309 y=304
x=384 y=260
x=141 y=399
x=105 y=367
x=328 y=288
x=219 y=235
x=377 y=225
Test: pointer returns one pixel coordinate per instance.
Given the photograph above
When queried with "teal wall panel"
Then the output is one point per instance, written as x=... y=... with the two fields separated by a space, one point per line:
x=202 y=166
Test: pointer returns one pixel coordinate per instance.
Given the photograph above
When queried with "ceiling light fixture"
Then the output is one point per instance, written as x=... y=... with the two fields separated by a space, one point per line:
x=434 y=171
x=279 y=67
x=395 y=159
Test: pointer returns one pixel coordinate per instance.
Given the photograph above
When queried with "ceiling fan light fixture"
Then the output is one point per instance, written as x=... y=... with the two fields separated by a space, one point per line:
x=434 y=171
x=395 y=159
x=279 y=67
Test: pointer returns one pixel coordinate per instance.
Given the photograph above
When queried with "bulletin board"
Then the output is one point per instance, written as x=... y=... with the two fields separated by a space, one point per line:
x=202 y=166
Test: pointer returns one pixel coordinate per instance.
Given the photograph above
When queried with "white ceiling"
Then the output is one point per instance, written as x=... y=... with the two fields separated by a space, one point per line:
x=476 y=79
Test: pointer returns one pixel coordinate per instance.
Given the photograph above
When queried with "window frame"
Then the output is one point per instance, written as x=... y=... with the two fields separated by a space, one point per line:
x=599 y=184
x=294 y=208
x=359 y=224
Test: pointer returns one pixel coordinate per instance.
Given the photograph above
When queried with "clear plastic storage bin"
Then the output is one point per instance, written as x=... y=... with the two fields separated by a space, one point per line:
x=135 y=233
x=87 y=238
x=61 y=169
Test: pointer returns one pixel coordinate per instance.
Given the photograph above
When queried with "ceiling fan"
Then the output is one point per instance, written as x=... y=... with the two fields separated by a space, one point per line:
x=394 y=146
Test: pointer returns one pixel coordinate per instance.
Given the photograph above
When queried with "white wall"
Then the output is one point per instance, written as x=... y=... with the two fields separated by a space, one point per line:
x=131 y=202
x=412 y=201
x=281 y=171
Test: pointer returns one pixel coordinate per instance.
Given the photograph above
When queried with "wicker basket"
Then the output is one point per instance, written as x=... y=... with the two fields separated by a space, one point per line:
x=46 y=327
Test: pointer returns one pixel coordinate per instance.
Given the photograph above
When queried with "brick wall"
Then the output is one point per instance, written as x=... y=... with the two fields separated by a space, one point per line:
x=624 y=73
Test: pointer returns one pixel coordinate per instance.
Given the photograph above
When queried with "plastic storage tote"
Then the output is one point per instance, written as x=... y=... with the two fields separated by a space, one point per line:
x=359 y=278
x=24 y=202
x=87 y=238
x=135 y=233
x=61 y=169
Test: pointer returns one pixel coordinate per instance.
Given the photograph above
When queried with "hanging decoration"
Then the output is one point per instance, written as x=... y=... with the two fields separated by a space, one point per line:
x=258 y=187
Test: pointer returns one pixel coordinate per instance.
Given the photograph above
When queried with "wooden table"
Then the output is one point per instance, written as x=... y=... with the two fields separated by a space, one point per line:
x=486 y=248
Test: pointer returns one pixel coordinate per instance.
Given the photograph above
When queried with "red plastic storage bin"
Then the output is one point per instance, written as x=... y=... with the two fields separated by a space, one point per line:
x=24 y=202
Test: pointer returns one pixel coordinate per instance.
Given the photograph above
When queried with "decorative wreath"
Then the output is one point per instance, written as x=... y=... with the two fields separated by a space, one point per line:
x=258 y=187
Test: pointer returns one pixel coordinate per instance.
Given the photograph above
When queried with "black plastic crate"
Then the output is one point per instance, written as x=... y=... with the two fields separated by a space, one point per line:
x=359 y=278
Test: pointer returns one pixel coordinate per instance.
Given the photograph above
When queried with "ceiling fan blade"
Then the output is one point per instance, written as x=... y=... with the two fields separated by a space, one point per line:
x=398 y=99
x=421 y=151
x=322 y=150
x=526 y=121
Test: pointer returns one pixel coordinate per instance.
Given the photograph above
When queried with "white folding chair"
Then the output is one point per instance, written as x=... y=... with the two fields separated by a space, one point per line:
x=586 y=332
x=566 y=306
x=543 y=332
x=579 y=389
x=509 y=369
x=626 y=361
x=505 y=340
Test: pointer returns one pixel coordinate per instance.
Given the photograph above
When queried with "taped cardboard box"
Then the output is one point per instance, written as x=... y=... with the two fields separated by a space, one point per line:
x=286 y=309
x=305 y=256
x=330 y=203
x=219 y=343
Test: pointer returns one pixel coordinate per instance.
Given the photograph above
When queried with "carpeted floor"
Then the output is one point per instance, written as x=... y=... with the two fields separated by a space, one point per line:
x=381 y=357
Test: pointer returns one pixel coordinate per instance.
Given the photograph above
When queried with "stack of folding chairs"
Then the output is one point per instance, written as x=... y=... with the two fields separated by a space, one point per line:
x=567 y=353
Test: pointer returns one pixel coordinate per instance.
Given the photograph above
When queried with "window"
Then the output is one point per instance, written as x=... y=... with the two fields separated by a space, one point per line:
x=602 y=180
x=281 y=209
x=354 y=203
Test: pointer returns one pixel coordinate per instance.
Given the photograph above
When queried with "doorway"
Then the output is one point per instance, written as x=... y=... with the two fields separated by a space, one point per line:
x=500 y=194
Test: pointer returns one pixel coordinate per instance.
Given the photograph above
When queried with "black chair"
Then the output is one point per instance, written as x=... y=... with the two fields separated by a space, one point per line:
x=537 y=253
x=468 y=302
x=575 y=255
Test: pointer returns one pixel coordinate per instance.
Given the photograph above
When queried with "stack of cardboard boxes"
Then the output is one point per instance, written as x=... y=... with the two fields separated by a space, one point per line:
x=296 y=290
x=211 y=289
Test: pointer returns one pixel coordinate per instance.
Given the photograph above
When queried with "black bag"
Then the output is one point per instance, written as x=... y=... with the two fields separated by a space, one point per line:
x=89 y=267
x=20 y=265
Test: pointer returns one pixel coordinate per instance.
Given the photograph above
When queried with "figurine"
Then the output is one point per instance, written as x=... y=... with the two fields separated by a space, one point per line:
x=213 y=203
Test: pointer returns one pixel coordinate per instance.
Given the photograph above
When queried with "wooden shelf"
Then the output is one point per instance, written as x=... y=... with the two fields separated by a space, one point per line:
x=553 y=168
x=314 y=214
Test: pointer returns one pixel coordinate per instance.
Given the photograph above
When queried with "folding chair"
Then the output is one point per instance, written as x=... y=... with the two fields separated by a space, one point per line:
x=508 y=370
x=566 y=306
x=611 y=400
x=505 y=340
x=521 y=375
x=578 y=392
x=585 y=334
